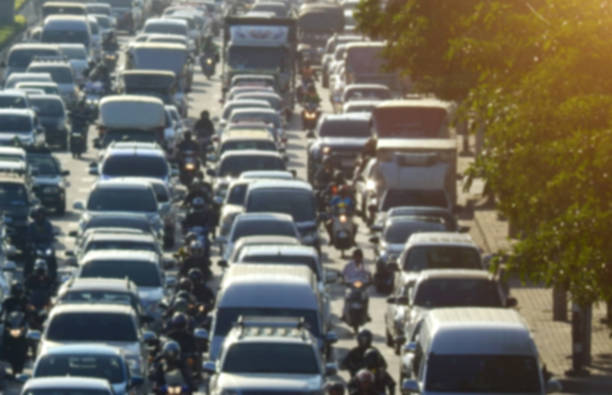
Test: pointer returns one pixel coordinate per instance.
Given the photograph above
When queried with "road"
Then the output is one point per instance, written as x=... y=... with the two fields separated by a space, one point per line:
x=206 y=95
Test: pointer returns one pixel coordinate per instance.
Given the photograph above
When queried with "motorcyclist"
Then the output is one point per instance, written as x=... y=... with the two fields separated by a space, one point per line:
x=179 y=331
x=198 y=215
x=325 y=174
x=16 y=301
x=201 y=291
x=204 y=127
x=197 y=189
x=362 y=384
x=335 y=388
x=375 y=363
x=110 y=43
x=311 y=97
x=39 y=280
x=197 y=259
x=188 y=144
x=368 y=151
x=356 y=270
x=209 y=48
x=40 y=234
x=341 y=200
x=167 y=361
x=353 y=361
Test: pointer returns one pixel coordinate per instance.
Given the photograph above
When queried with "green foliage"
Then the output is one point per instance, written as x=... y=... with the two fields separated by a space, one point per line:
x=536 y=74
x=7 y=33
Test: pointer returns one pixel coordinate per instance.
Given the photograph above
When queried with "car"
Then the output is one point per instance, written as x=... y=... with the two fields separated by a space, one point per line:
x=48 y=87
x=259 y=351
x=258 y=140
x=116 y=222
x=61 y=73
x=12 y=80
x=17 y=200
x=88 y=360
x=365 y=92
x=341 y=138
x=14 y=98
x=31 y=91
x=118 y=239
x=263 y=80
x=106 y=23
x=477 y=345
x=174 y=125
x=384 y=200
x=236 y=104
x=290 y=197
x=12 y=154
x=78 y=57
x=70 y=385
x=49 y=179
x=365 y=185
x=53 y=117
x=144 y=268
x=106 y=324
x=123 y=195
x=366 y=106
x=20 y=55
x=268 y=116
x=258 y=240
x=95 y=42
x=238 y=90
x=445 y=215
x=328 y=54
x=260 y=223
x=21 y=124
x=437 y=288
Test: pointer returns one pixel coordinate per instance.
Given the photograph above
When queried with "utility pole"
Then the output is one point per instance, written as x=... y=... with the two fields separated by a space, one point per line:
x=7 y=12
x=582 y=315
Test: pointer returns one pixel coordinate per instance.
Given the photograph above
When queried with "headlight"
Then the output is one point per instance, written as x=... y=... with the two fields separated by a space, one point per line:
x=371 y=185
x=326 y=150
x=343 y=218
x=209 y=61
x=189 y=166
x=15 y=332
x=311 y=115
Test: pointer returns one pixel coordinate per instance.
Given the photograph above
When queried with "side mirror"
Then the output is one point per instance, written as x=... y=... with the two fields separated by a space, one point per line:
x=222 y=263
x=331 y=369
x=9 y=266
x=410 y=386
x=34 y=335
x=200 y=333
x=553 y=385
x=136 y=381
x=149 y=337
x=79 y=206
x=511 y=302
x=374 y=239
x=209 y=367
x=331 y=337
x=65 y=173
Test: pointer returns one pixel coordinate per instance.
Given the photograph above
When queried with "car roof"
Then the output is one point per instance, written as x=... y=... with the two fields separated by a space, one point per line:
x=256 y=239
x=263 y=217
x=441 y=238
x=455 y=274
x=257 y=174
x=91 y=308
x=258 y=94
x=13 y=92
x=121 y=255
x=12 y=150
x=134 y=151
x=123 y=182
x=68 y=383
x=280 y=250
x=366 y=86
x=249 y=152
x=102 y=283
x=123 y=236
x=44 y=96
x=242 y=134
x=83 y=348
x=250 y=110
x=24 y=112
x=176 y=21
x=350 y=116
x=280 y=184
x=421 y=102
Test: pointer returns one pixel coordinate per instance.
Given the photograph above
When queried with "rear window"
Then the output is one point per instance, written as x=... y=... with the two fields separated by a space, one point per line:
x=411 y=122
x=142 y=273
x=262 y=228
x=442 y=257
x=260 y=145
x=166 y=28
x=109 y=367
x=459 y=292
x=7 y=101
x=271 y=358
x=399 y=232
x=135 y=166
x=21 y=58
x=345 y=128
x=95 y=327
x=300 y=205
x=122 y=199
x=48 y=107
x=65 y=36
x=15 y=123
x=60 y=75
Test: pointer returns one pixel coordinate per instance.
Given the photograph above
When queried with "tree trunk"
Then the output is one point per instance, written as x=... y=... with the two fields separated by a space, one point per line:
x=559 y=294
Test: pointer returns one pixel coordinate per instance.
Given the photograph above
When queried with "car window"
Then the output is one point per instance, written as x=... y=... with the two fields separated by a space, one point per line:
x=44 y=165
x=283 y=259
x=236 y=164
x=276 y=358
x=120 y=245
x=236 y=194
x=445 y=292
x=299 y=204
x=141 y=273
x=13 y=194
x=135 y=166
x=7 y=101
x=15 y=123
x=96 y=327
x=122 y=199
x=110 y=368
x=48 y=107
x=442 y=257
x=345 y=128
x=399 y=232
x=262 y=228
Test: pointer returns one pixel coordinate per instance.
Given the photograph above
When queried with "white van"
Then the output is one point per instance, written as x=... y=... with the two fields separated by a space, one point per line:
x=67 y=29
x=20 y=55
x=476 y=351
x=16 y=78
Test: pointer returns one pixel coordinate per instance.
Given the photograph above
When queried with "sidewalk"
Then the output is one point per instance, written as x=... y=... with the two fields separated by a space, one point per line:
x=553 y=339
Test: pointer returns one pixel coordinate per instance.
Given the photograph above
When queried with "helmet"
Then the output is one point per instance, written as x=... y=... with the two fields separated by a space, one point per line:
x=38 y=214
x=40 y=266
x=327 y=161
x=179 y=321
x=187 y=135
x=180 y=305
x=195 y=275
x=357 y=254
x=371 y=358
x=16 y=288
x=335 y=387
x=185 y=284
x=196 y=247
x=339 y=177
x=204 y=114
x=198 y=204
x=171 y=350
x=365 y=377
x=364 y=338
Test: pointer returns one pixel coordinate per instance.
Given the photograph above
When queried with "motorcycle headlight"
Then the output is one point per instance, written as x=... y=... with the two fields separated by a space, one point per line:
x=209 y=61
x=189 y=166
x=310 y=115
x=371 y=185
x=326 y=150
x=16 y=332
x=174 y=390
x=343 y=218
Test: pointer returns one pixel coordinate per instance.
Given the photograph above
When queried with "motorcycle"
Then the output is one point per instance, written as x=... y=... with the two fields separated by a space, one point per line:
x=47 y=252
x=208 y=65
x=77 y=144
x=15 y=344
x=310 y=116
x=174 y=384
x=356 y=305
x=189 y=167
x=342 y=230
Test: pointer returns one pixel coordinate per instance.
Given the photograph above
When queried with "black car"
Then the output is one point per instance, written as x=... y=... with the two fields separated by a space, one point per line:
x=53 y=117
x=16 y=202
x=340 y=137
x=49 y=184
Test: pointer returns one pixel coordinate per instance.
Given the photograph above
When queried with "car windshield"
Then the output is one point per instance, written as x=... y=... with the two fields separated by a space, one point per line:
x=274 y=358
x=117 y=222
x=410 y=197
x=122 y=199
x=365 y=60
x=226 y=317
x=60 y=75
x=300 y=205
x=15 y=123
x=12 y=195
x=75 y=53
x=345 y=128
x=263 y=228
x=135 y=166
x=399 y=232
x=236 y=194
x=21 y=58
x=65 y=36
x=65 y=391
x=94 y=327
x=100 y=366
x=442 y=257
x=368 y=94
x=142 y=273
x=262 y=145
x=120 y=245
x=48 y=107
x=258 y=58
x=44 y=165
x=106 y=297
x=103 y=22
x=482 y=374
x=166 y=28
x=160 y=59
x=8 y=101
x=457 y=292
x=236 y=164
x=284 y=259
x=411 y=122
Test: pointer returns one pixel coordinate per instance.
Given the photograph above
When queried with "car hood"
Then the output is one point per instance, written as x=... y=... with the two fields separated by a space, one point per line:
x=130 y=348
x=9 y=137
x=231 y=209
x=343 y=142
x=49 y=120
x=394 y=249
x=286 y=382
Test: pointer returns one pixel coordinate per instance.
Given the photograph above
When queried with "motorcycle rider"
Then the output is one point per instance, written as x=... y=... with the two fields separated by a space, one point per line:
x=200 y=215
x=16 y=301
x=201 y=291
x=188 y=144
x=40 y=234
x=343 y=199
x=39 y=280
x=354 y=359
x=325 y=174
x=204 y=129
x=311 y=97
x=110 y=43
x=356 y=271
x=198 y=189
x=209 y=48
x=375 y=363
x=167 y=361
x=363 y=384
x=179 y=331
x=197 y=259
x=335 y=388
